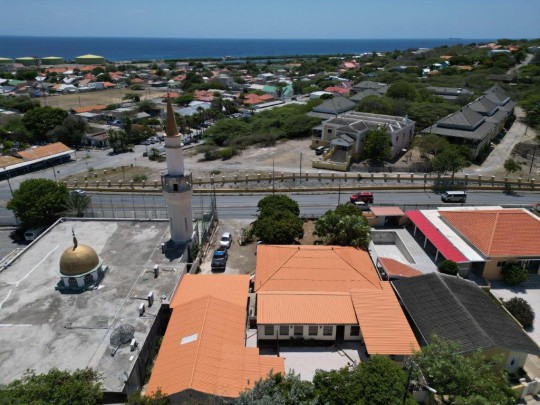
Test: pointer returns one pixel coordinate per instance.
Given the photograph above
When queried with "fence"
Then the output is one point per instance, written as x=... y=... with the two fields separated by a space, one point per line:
x=307 y=179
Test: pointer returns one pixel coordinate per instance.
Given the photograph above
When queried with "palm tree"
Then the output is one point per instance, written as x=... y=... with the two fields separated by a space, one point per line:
x=77 y=204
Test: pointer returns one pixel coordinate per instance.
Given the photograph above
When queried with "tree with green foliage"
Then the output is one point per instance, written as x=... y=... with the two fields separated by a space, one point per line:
x=377 y=146
x=56 y=387
x=448 y=267
x=38 y=202
x=279 y=389
x=511 y=166
x=402 y=90
x=77 y=204
x=376 y=105
x=184 y=99
x=278 y=202
x=452 y=159
x=521 y=310
x=382 y=381
x=514 y=273
x=278 y=220
x=459 y=379
x=119 y=141
x=343 y=228
x=278 y=228
x=431 y=144
x=40 y=120
x=70 y=132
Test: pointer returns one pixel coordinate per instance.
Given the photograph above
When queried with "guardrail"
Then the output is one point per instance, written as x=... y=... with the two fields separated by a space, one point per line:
x=265 y=182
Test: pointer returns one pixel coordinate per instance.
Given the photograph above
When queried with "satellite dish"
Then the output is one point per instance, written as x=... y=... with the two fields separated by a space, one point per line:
x=122 y=335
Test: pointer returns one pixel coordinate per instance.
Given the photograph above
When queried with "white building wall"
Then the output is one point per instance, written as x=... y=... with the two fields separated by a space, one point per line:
x=261 y=333
x=175 y=157
x=518 y=359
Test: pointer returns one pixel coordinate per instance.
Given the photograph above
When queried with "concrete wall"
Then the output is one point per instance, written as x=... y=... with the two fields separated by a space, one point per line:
x=391 y=238
x=305 y=335
x=401 y=139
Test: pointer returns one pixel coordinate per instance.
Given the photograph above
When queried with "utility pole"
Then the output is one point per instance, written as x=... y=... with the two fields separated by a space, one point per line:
x=300 y=177
x=532 y=160
x=273 y=175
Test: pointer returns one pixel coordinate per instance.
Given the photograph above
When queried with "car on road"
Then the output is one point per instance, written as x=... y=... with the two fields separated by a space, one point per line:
x=362 y=206
x=364 y=196
x=319 y=150
x=454 y=196
x=219 y=260
x=81 y=193
x=226 y=240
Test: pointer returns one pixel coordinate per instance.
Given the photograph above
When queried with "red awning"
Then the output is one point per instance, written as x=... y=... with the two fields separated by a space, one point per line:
x=443 y=245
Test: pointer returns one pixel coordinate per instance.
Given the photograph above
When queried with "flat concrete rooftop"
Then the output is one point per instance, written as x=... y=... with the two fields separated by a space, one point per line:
x=41 y=328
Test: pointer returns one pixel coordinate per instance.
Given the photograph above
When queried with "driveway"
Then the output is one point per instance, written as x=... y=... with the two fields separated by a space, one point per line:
x=242 y=259
x=517 y=133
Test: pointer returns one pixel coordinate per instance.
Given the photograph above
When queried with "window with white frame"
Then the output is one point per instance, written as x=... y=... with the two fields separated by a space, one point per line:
x=313 y=330
x=284 y=330
x=268 y=329
x=328 y=330
x=298 y=330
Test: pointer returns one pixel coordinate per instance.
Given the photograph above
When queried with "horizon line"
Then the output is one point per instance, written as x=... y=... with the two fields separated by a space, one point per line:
x=265 y=38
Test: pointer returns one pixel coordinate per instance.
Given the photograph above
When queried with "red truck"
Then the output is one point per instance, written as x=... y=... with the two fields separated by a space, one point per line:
x=364 y=196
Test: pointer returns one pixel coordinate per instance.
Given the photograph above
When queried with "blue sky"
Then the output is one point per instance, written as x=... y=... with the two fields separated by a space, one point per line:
x=273 y=19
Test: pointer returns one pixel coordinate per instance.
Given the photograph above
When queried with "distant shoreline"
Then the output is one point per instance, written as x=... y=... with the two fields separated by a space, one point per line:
x=151 y=49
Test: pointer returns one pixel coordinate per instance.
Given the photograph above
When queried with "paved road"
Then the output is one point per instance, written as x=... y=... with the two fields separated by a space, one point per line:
x=245 y=206
x=518 y=132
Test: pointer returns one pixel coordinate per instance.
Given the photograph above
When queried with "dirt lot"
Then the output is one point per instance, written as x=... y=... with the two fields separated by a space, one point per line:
x=116 y=174
x=68 y=101
x=242 y=259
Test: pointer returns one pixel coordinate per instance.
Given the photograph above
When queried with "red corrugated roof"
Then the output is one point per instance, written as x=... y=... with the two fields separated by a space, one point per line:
x=443 y=245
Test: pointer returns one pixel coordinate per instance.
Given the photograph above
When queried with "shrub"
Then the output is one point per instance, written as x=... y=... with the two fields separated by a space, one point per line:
x=227 y=153
x=139 y=178
x=449 y=267
x=514 y=274
x=521 y=310
x=212 y=154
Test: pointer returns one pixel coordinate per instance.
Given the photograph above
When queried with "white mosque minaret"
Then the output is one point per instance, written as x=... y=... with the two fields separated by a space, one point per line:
x=176 y=185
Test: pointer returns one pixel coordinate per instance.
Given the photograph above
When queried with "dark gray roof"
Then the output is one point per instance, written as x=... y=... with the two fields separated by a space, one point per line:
x=509 y=106
x=497 y=95
x=449 y=91
x=363 y=94
x=483 y=105
x=477 y=134
x=458 y=310
x=336 y=105
x=499 y=116
x=380 y=88
x=465 y=118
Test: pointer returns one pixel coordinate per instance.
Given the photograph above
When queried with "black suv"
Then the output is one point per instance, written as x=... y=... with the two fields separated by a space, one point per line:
x=219 y=260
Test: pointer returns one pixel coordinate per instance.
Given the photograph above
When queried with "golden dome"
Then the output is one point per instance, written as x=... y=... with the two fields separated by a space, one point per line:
x=77 y=260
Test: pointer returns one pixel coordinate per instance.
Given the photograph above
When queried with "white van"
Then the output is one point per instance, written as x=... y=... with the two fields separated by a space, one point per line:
x=454 y=196
x=33 y=233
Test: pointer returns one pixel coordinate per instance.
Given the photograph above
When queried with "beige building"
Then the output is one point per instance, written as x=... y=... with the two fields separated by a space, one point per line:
x=345 y=134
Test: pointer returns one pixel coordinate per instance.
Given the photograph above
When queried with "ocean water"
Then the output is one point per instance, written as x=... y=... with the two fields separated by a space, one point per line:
x=125 y=49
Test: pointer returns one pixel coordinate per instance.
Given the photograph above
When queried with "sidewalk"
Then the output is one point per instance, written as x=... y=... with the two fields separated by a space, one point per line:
x=516 y=134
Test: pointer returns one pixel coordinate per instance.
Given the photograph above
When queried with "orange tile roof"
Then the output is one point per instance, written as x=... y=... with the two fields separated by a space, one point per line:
x=57 y=70
x=97 y=107
x=232 y=288
x=337 y=89
x=314 y=268
x=109 y=84
x=313 y=308
x=387 y=211
x=382 y=322
x=6 y=161
x=137 y=80
x=203 y=95
x=502 y=232
x=203 y=347
x=397 y=269
x=43 y=151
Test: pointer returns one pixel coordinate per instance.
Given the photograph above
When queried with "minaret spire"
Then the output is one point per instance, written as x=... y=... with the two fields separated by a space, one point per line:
x=171 y=129
x=176 y=185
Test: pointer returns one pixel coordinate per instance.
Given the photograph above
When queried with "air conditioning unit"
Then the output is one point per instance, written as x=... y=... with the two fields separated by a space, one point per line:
x=156 y=270
x=150 y=298
x=133 y=345
x=141 y=309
